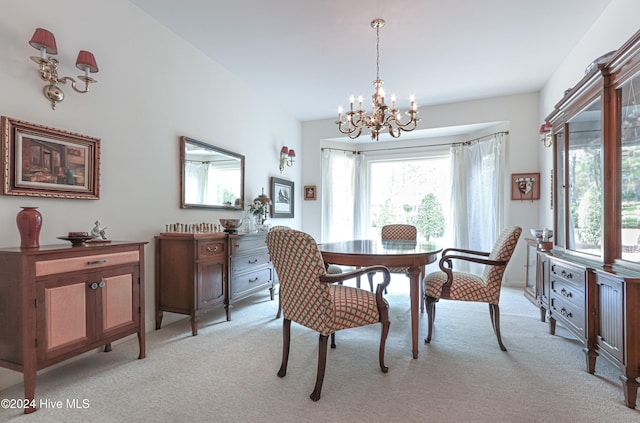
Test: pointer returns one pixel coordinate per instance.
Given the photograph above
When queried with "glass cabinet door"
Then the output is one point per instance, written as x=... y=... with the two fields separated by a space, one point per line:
x=584 y=208
x=630 y=169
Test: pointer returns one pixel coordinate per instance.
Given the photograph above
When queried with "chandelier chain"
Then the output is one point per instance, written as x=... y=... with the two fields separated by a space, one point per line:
x=378 y=52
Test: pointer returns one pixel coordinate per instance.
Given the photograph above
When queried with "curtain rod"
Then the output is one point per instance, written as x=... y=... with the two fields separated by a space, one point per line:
x=419 y=146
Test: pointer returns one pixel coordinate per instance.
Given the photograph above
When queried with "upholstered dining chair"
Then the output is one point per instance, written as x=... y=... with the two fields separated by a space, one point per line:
x=332 y=269
x=312 y=298
x=398 y=232
x=452 y=285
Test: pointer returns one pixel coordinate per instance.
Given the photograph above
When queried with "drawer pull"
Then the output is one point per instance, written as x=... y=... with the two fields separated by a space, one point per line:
x=212 y=250
x=97 y=261
x=566 y=293
x=566 y=275
x=253 y=280
x=566 y=313
x=254 y=261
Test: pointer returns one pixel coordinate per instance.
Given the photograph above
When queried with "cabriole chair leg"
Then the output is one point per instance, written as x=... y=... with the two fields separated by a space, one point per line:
x=286 y=338
x=322 y=361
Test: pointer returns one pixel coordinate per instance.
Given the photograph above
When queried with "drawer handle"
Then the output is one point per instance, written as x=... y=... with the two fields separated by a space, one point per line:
x=566 y=313
x=567 y=275
x=253 y=280
x=212 y=250
x=254 y=261
x=566 y=293
x=97 y=262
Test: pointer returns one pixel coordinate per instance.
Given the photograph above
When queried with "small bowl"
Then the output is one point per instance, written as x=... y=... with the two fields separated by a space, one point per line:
x=231 y=225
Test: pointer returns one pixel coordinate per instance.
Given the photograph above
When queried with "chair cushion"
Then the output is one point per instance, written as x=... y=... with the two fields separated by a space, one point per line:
x=465 y=287
x=353 y=307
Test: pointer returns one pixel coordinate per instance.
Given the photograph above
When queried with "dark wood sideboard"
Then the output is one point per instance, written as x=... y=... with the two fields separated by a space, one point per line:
x=600 y=308
x=59 y=301
x=196 y=273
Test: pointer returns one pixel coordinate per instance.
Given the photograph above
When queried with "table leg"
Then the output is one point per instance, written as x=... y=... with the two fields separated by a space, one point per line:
x=414 y=291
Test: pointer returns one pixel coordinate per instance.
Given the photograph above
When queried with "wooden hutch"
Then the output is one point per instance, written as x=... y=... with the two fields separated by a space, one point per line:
x=590 y=281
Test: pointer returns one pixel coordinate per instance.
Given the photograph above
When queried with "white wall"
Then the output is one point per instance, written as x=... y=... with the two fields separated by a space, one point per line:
x=152 y=88
x=519 y=111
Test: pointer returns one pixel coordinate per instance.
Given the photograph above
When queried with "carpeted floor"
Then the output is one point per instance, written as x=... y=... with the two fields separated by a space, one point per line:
x=228 y=373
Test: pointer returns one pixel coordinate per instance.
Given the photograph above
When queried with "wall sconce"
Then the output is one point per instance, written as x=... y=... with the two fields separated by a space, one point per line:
x=44 y=41
x=286 y=157
x=546 y=136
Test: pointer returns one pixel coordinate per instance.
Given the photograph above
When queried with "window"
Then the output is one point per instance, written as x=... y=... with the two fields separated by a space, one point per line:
x=413 y=191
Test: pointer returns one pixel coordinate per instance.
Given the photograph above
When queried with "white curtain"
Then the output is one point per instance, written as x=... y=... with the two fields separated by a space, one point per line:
x=477 y=195
x=196 y=180
x=338 y=195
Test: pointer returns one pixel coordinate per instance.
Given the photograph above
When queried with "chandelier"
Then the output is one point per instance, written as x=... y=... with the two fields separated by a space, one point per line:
x=381 y=117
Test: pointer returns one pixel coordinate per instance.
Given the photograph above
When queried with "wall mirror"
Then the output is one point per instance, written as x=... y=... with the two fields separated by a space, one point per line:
x=211 y=177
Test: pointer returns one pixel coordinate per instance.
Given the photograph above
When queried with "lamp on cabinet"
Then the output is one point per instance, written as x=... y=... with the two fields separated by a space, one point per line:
x=546 y=135
x=44 y=41
x=286 y=157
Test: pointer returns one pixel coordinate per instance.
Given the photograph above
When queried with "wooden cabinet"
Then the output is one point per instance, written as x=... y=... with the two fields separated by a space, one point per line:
x=59 y=301
x=191 y=275
x=250 y=267
x=614 y=329
x=536 y=265
x=196 y=273
x=596 y=127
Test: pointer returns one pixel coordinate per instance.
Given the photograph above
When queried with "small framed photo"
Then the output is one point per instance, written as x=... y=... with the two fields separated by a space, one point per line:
x=309 y=192
x=38 y=161
x=525 y=186
x=282 y=198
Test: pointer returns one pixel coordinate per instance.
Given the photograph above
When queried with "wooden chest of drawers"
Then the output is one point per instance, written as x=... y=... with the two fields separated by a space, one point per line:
x=250 y=267
x=567 y=289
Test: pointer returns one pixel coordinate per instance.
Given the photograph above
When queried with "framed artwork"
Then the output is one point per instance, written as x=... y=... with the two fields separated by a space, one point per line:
x=39 y=161
x=309 y=192
x=525 y=186
x=282 y=198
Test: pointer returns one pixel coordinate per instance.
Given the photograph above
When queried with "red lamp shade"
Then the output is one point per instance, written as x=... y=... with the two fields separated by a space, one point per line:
x=292 y=153
x=86 y=61
x=44 y=39
x=284 y=151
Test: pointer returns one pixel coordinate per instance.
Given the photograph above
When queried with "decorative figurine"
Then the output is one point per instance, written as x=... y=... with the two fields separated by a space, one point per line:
x=98 y=232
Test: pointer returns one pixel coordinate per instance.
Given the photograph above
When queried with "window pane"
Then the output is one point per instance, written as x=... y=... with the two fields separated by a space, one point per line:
x=585 y=205
x=630 y=171
x=411 y=191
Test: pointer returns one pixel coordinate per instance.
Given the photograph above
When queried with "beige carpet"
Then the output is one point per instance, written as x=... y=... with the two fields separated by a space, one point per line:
x=228 y=373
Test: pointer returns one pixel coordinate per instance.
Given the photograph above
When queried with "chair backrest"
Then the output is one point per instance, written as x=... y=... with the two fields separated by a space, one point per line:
x=399 y=232
x=502 y=250
x=299 y=265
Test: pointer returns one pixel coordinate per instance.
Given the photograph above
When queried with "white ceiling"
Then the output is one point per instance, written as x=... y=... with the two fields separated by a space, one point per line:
x=309 y=56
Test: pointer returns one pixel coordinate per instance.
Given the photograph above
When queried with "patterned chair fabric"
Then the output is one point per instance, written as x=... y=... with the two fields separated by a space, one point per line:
x=399 y=232
x=310 y=297
x=462 y=286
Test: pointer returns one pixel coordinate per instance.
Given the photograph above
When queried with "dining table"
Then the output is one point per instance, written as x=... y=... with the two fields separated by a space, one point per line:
x=413 y=255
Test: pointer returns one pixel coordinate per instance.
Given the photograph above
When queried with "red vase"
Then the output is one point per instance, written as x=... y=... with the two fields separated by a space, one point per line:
x=29 y=221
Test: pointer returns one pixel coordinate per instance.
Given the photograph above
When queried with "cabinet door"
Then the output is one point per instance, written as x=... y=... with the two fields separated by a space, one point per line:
x=117 y=297
x=530 y=290
x=62 y=316
x=609 y=328
x=210 y=283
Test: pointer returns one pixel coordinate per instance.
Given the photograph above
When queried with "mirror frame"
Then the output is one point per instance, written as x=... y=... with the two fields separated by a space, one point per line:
x=183 y=203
